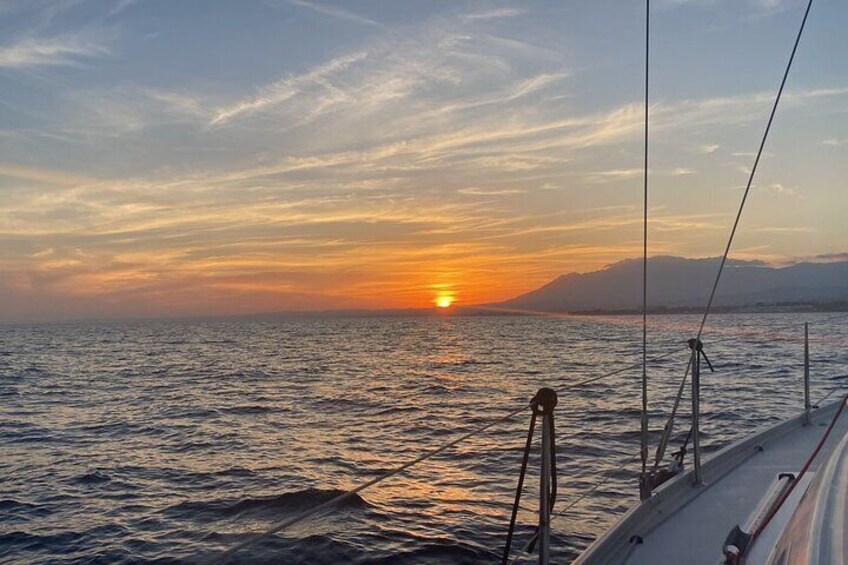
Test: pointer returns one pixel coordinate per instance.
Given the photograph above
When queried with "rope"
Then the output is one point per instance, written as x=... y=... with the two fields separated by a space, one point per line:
x=644 y=419
x=219 y=558
x=547 y=399
x=742 y=206
x=604 y=480
x=519 y=488
x=283 y=524
x=669 y=425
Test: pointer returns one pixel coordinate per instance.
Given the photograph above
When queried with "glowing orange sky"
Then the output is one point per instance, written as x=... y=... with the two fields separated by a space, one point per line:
x=330 y=159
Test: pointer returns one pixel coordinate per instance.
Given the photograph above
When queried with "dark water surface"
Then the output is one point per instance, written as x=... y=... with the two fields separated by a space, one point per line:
x=168 y=441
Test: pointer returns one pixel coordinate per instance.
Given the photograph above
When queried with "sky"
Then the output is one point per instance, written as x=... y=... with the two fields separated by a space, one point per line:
x=163 y=158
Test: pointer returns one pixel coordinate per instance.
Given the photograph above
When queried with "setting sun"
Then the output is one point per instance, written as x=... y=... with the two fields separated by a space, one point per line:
x=444 y=300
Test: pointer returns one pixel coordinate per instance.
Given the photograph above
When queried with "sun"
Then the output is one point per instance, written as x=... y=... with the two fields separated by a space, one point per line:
x=444 y=300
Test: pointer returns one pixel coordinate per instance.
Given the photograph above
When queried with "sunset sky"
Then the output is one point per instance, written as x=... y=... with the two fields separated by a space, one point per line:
x=190 y=158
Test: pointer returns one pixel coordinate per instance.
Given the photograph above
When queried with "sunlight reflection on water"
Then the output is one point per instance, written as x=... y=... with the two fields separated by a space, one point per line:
x=170 y=440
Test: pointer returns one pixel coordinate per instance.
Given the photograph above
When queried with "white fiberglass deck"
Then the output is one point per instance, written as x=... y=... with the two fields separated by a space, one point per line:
x=688 y=524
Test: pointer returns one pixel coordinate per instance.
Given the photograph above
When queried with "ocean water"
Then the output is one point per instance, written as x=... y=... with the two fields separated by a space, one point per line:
x=166 y=442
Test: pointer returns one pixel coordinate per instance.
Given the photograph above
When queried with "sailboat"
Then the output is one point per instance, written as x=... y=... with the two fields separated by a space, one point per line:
x=775 y=497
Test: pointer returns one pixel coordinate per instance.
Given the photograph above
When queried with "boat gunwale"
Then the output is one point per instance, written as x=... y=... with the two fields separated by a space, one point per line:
x=614 y=545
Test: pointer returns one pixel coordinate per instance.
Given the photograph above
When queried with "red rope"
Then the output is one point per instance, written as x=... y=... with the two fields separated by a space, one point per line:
x=797 y=480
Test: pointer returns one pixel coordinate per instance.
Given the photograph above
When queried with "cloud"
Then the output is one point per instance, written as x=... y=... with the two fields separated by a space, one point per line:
x=681 y=172
x=833 y=142
x=431 y=155
x=494 y=14
x=286 y=89
x=120 y=6
x=832 y=257
x=780 y=190
x=42 y=175
x=434 y=70
x=614 y=175
x=46 y=51
x=334 y=11
x=475 y=191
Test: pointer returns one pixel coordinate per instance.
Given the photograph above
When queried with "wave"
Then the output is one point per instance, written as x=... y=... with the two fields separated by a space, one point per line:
x=439 y=553
x=252 y=409
x=17 y=509
x=93 y=478
x=283 y=503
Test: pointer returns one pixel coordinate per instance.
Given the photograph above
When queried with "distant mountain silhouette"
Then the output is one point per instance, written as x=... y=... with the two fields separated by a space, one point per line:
x=677 y=282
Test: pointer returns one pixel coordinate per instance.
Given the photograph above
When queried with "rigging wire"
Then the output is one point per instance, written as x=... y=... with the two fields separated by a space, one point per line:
x=828 y=395
x=283 y=524
x=279 y=526
x=621 y=370
x=753 y=171
x=745 y=194
x=644 y=420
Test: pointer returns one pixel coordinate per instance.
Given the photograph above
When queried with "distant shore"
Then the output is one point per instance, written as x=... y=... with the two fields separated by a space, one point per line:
x=777 y=308
x=480 y=311
x=496 y=310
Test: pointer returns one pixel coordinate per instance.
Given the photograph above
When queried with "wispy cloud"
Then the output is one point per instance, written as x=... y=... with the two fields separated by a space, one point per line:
x=476 y=191
x=42 y=175
x=57 y=50
x=613 y=175
x=681 y=172
x=120 y=6
x=334 y=11
x=451 y=151
x=286 y=89
x=494 y=14
x=781 y=190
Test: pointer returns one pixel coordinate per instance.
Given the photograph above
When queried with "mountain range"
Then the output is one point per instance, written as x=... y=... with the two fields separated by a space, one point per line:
x=679 y=283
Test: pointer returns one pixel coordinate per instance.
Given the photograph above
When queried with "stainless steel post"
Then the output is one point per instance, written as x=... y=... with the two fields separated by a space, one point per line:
x=544 y=491
x=806 y=373
x=696 y=414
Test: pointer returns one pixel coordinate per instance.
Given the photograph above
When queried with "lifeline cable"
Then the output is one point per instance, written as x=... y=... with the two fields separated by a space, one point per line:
x=344 y=496
x=283 y=524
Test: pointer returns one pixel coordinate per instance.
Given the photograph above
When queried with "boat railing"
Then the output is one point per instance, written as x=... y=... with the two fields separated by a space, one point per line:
x=542 y=405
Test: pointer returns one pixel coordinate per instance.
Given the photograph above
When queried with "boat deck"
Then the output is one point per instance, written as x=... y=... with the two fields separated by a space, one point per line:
x=686 y=522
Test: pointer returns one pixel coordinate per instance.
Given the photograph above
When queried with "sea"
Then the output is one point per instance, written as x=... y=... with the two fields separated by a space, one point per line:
x=172 y=441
